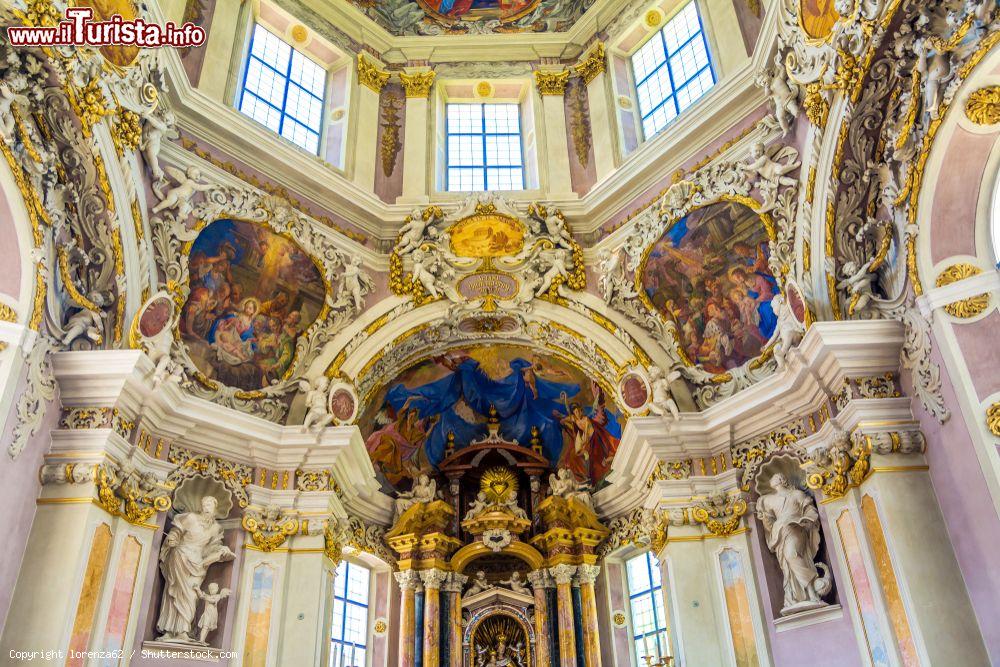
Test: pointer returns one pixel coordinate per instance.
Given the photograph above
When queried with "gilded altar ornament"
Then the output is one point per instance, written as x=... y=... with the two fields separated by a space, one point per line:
x=653 y=18
x=498 y=484
x=370 y=75
x=843 y=465
x=983 y=106
x=964 y=308
x=993 y=419
x=417 y=84
x=815 y=105
x=551 y=83
x=593 y=65
x=126 y=131
x=720 y=514
x=89 y=104
x=269 y=527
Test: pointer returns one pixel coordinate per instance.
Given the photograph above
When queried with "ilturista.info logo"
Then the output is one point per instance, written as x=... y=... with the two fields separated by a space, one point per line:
x=80 y=29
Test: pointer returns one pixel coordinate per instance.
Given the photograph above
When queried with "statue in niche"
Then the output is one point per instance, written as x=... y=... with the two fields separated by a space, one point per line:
x=209 y=619
x=791 y=524
x=424 y=490
x=193 y=544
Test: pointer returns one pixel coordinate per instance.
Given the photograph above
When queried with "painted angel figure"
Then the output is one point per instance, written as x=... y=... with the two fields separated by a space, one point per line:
x=357 y=282
x=317 y=416
x=154 y=130
x=209 y=619
x=179 y=196
x=662 y=400
x=788 y=330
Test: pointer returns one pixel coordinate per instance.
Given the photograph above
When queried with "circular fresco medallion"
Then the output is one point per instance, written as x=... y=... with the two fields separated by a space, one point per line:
x=343 y=406
x=818 y=17
x=478 y=10
x=634 y=391
x=155 y=316
x=709 y=273
x=796 y=301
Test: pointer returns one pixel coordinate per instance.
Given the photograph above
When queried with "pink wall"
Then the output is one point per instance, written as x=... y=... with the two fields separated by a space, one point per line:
x=956 y=195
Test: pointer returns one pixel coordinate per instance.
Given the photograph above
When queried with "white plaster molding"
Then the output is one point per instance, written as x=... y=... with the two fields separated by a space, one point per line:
x=804 y=619
x=938 y=297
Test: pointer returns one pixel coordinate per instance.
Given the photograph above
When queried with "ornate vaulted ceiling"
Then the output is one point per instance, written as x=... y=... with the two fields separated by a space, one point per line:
x=465 y=17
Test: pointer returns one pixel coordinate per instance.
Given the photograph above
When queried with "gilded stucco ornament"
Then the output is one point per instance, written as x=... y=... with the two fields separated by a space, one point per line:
x=968 y=307
x=551 y=83
x=993 y=419
x=417 y=84
x=593 y=65
x=983 y=106
x=190 y=465
x=370 y=76
x=269 y=526
x=720 y=513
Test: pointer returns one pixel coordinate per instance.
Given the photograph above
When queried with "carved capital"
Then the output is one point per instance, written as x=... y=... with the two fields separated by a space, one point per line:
x=269 y=526
x=417 y=84
x=433 y=578
x=370 y=75
x=455 y=582
x=407 y=579
x=551 y=83
x=720 y=514
x=587 y=574
x=539 y=579
x=593 y=65
x=563 y=574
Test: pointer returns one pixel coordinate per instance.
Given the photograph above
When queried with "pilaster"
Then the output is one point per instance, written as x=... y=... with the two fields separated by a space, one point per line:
x=587 y=575
x=563 y=575
x=593 y=71
x=551 y=86
x=418 y=85
x=432 y=580
x=540 y=581
x=407 y=581
x=370 y=82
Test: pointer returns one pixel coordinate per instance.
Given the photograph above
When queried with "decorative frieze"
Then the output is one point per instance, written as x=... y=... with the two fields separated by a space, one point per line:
x=85 y=419
x=664 y=470
x=314 y=480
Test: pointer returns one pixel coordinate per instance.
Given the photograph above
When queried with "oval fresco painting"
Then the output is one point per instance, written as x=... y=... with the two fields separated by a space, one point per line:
x=406 y=425
x=479 y=10
x=818 y=17
x=121 y=55
x=253 y=293
x=709 y=273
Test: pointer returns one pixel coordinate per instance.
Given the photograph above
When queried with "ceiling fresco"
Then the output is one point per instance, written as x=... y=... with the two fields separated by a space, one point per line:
x=438 y=17
x=406 y=426
x=709 y=273
x=253 y=293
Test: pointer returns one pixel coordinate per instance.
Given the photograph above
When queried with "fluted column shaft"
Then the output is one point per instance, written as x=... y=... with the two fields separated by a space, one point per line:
x=408 y=617
x=540 y=581
x=563 y=574
x=454 y=587
x=587 y=574
x=432 y=615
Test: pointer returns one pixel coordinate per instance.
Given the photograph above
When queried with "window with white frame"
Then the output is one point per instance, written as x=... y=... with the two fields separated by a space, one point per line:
x=649 y=619
x=283 y=90
x=349 y=633
x=483 y=149
x=672 y=70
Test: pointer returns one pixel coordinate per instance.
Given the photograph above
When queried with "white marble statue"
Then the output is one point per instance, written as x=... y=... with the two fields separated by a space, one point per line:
x=555 y=226
x=478 y=585
x=424 y=491
x=858 y=281
x=423 y=273
x=412 y=233
x=179 y=197
x=784 y=94
x=772 y=166
x=193 y=544
x=511 y=506
x=560 y=267
x=86 y=322
x=357 y=283
x=787 y=332
x=517 y=583
x=154 y=130
x=611 y=273
x=209 y=619
x=935 y=71
x=477 y=506
x=791 y=525
x=662 y=402
x=317 y=416
x=562 y=483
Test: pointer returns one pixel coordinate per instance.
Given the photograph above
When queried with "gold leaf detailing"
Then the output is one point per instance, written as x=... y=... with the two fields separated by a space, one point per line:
x=993 y=419
x=551 y=83
x=983 y=106
x=370 y=75
x=417 y=84
x=593 y=66
x=965 y=308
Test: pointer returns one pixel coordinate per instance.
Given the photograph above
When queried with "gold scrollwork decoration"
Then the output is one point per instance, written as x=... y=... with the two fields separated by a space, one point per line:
x=417 y=84
x=721 y=516
x=370 y=75
x=968 y=307
x=593 y=65
x=551 y=83
x=983 y=106
x=993 y=419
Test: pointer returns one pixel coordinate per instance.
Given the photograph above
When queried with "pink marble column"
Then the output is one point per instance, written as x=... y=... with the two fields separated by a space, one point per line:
x=563 y=574
x=432 y=615
x=540 y=580
x=587 y=574
x=454 y=586
x=407 y=580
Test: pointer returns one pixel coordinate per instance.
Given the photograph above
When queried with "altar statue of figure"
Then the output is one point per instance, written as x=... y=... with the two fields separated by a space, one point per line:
x=563 y=484
x=478 y=585
x=424 y=490
x=193 y=544
x=791 y=523
x=516 y=583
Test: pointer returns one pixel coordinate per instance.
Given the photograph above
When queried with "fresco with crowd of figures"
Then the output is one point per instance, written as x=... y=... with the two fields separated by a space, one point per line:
x=435 y=17
x=406 y=427
x=709 y=273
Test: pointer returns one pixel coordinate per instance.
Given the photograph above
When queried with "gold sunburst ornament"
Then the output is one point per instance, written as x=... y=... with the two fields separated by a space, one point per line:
x=498 y=484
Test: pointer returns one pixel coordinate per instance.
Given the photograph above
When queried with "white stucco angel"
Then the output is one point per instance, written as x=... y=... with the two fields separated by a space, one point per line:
x=661 y=400
x=857 y=281
x=477 y=506
x=154 y=130
x=424 y=491
x=517 y=583
x=87 y=322
x=8 y=97
x=179 y=197
x=562 y=483
x=209 y=619
x=787 y=332
x=612 y=280
x=559 y=267
x=412 y=233
x=784 y=94
x=478 y=585
x=772 y=165
x=556 y=228
x=935 y=72
x=511 y=506
x=357 y=283
x=317 y=416
x=423 y=273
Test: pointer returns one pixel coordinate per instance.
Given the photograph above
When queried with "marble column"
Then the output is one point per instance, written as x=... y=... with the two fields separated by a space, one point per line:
x=417 y=135
x=539 y=582
x=454 y=586
x=587 y=574
x=418 y=624
x=371 y=81
x=432 y=615
x=552 y=88
x=407 y=580
x=563 y=574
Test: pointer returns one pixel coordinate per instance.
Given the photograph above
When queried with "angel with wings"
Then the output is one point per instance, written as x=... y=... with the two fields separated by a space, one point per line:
x=179 y=196
x=771 y=166
x=317 y=415
x=154 y=130
x=357 y=282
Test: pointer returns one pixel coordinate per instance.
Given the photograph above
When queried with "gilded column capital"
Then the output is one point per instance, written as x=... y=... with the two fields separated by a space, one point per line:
x=407 y=579
x=593 y=65
x=269 y=526
x=433 y=578
x=721 y=514
x=587 y=574
x=370 y=75
x=417 y=84
x=551 y=83
x=563 y=574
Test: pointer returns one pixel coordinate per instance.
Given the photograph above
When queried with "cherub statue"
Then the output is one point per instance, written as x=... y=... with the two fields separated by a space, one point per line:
x=317 y=416
x=424 y=491
x=783 y=92
x=154 y=129
x=769 y=166
x=555 y=227
x=662 y=400
x=560 y=267
x=563 y=484
x=477 y=506
x=87 y=322
x=858 y=281
x=7 y=99
x=511 y=505
x=412 y=233
x=478 y=585
x=787 y=332
x=158 y=350
x=423 y=273
x=611 y=278
x=935 y=70
x=209 y=619
x=357 y=282
x=179 y=196
x=516 y=583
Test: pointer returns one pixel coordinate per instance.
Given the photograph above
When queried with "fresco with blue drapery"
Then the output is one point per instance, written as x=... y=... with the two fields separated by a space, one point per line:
x=578 y=424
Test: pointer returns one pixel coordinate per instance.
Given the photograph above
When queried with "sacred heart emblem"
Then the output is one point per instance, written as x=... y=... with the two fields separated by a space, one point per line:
x=498 y=484
x=499 y=487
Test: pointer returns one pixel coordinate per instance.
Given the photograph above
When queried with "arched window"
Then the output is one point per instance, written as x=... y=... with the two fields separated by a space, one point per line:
x=349 y=632
x=649 y=618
